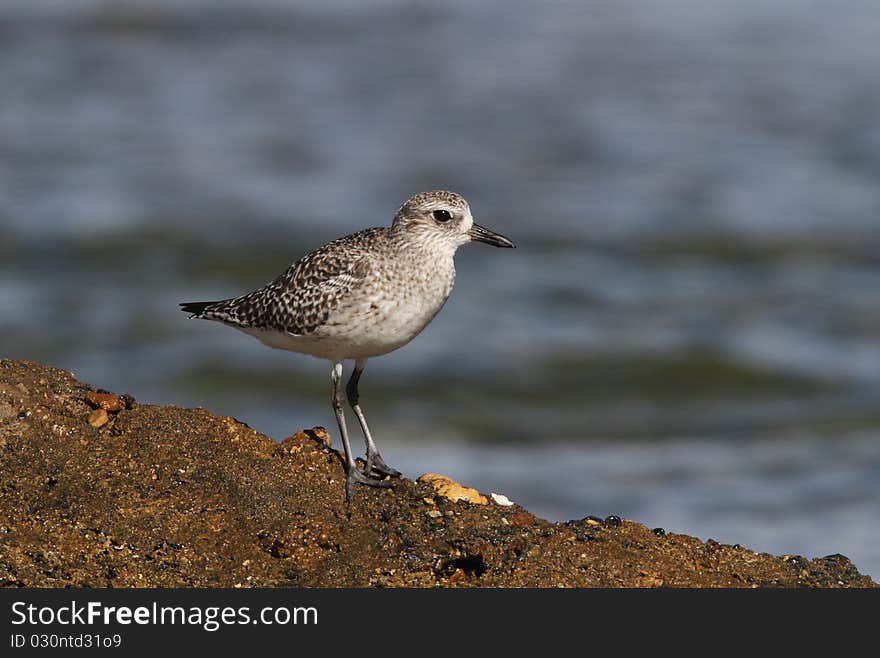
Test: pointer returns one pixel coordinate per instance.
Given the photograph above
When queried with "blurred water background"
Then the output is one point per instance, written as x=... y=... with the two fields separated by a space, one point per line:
x=687 y=336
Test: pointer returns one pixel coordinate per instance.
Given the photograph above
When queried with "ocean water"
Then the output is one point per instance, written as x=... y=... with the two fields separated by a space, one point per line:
x=688 y=334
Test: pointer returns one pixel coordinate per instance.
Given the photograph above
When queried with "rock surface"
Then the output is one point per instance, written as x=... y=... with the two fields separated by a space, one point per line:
x=170 y=497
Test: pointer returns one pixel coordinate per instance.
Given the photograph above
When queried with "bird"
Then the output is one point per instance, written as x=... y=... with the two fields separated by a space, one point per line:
x=358 y=297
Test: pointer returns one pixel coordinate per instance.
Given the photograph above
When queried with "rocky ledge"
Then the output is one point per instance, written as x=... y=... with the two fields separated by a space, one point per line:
x=101 y=491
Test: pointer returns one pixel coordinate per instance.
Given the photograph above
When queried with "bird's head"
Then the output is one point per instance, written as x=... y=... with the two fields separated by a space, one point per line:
x=443 y=218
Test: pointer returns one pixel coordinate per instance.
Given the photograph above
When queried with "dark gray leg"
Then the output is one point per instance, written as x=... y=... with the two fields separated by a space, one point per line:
x=375 y=463
x=352 y=472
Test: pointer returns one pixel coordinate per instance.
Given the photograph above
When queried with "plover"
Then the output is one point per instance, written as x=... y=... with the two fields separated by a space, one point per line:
x=360 y=296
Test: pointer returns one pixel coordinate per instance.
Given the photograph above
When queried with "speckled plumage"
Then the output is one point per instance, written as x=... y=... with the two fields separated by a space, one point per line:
x=301 y=299
x=360 y=296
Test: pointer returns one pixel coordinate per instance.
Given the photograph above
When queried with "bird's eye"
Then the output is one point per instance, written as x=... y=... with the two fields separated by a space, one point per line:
x=441 y=215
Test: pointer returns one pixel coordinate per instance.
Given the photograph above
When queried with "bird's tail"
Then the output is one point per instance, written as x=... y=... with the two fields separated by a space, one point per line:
x=197 y=309
x=221 y=311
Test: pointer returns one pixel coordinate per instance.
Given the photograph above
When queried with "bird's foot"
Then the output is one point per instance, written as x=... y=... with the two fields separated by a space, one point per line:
x=354 y=475
x=377 y=466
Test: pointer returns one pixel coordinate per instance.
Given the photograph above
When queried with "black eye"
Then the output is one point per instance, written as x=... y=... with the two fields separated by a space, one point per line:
x=441 y=215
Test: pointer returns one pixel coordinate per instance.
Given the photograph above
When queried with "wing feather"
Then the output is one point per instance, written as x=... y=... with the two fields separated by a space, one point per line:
x=303 y=297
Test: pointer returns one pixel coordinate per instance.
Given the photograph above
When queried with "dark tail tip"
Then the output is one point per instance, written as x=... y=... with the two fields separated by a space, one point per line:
x=196 y=308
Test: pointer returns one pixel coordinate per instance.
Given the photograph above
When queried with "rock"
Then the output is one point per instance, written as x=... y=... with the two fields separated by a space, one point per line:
x=612 y=521
x=501 y=499
x=98 y=418
x=452 y=490
x=105 y=401
x=318 y=435
x=183 y=498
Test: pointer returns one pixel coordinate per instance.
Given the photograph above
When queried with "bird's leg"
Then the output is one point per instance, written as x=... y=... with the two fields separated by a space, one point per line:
x=375 y=463
x=352 y=472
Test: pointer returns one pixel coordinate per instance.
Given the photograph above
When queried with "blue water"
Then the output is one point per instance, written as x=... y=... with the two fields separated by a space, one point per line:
x=688 y=334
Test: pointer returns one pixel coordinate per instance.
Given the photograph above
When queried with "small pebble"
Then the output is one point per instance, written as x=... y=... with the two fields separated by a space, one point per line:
x=593 y=520
x=435 y=514
x=796 y=560
x=317 y=435
x=322 y=436
x=98 y=418
x=660 y=532
x=501 y=499
x=452 y=490
x=104 y=400
x=612 y=521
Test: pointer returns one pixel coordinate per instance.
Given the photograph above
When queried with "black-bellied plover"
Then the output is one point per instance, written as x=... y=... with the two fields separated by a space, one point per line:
x=360 y=296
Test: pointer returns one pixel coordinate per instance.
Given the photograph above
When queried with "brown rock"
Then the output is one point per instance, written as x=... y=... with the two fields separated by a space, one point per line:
x=316 y=435
x=452 y=490
x=105 y=401
x=98 y=418
x=182 y=498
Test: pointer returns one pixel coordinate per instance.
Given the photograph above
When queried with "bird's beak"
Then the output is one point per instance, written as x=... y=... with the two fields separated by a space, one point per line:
x=481 y=234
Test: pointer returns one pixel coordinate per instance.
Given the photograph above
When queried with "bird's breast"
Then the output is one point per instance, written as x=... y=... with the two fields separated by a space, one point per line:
x=392 y=309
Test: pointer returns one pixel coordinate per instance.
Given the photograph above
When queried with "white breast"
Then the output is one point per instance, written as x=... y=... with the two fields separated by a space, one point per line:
x=378 y=318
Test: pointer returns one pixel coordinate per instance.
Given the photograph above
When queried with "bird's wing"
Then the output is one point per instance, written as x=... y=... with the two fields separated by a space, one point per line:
x=316 y=285
x=302 y=298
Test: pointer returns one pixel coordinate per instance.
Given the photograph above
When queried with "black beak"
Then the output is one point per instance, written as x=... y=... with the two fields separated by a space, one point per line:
x=481 y=234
